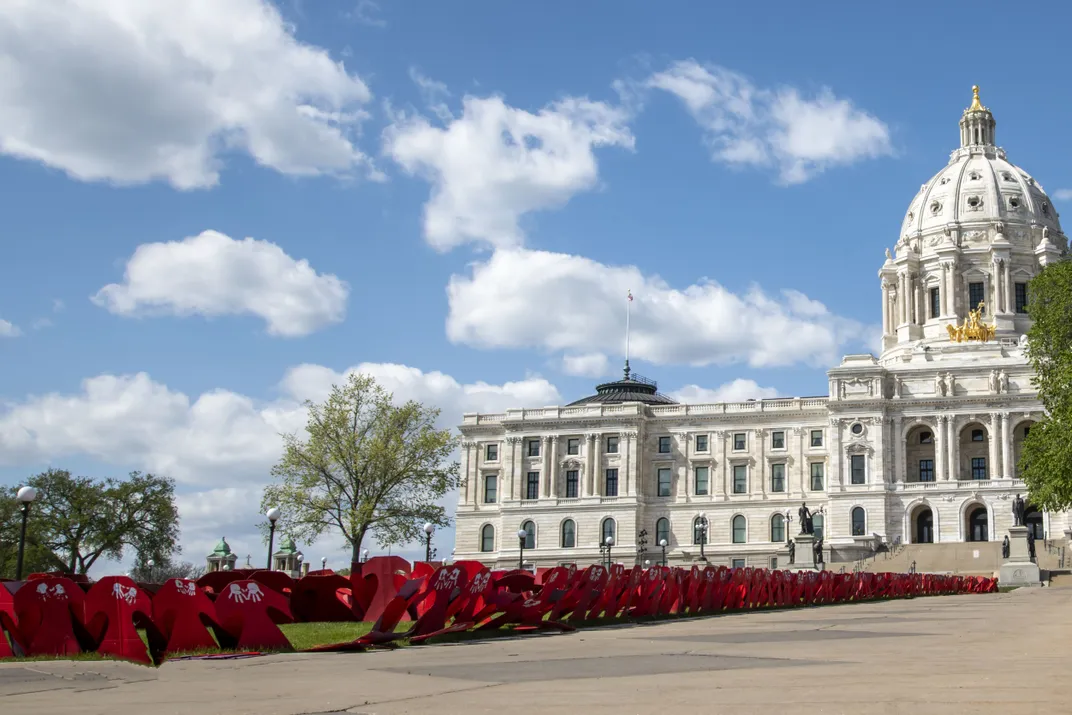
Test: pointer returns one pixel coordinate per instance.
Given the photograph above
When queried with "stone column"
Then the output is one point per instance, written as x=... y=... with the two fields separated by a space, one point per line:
x=801 y=435
x=592 y=447
x=764 y=468
x=1008 y=287
x=951 y=445
x=545 y=471
x=886 y=308
x=510 y=468
x=835 y=459
x=625 y=476
x=597 y=467
x=939 y=448
x=899 y=443
x=917 y=302
x=1008 y=469
x=993 y=434
x=682 y=439
x=467 y=489
x=552 y=472
x=902 y=293
x=720 y=455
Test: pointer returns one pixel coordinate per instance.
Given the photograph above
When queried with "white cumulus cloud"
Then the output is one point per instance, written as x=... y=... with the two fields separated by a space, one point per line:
x=1063 y=194
x=212 y=274
x=746 y=125
x=129 y=91
x=135 y=422
x=737 y=390
x=495 y=163
x=9 y=329
x=581 y=312
x=585 y=365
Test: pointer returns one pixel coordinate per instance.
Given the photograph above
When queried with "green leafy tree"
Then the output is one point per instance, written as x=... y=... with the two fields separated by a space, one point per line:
x=161 y=571
x=367 y=465
x=37 y=558
x=78 y=519
x=1046 y=458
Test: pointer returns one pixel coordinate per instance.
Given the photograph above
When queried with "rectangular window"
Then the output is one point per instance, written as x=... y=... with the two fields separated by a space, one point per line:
x=534 y=448
x=490 y=489
x=978 y=467
x=737 y=563
x=774 y=563
x=702 y=480
x=816 y=476
x=612 y=445
x=857 y=468
x=926 y=470
x=571 y=483
x=740 y=479
x=701 y=443
x=612 y=483
x=777 y=477
x=573 y=446
x=739 y=442
x=976 y=295
x=936 y=302
x=664 y=482
x=491 y=453
x=532 y=485
x=1021 y=297
x=777 y=440
x=664 y=445
x=816 y=438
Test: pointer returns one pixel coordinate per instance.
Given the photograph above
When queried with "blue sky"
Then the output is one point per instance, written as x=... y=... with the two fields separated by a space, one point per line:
x=473 y=187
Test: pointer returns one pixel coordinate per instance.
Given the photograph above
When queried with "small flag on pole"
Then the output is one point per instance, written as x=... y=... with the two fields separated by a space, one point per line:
x=629 y=295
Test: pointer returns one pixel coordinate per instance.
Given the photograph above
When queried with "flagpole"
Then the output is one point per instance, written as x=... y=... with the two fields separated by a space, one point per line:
x=628 y=306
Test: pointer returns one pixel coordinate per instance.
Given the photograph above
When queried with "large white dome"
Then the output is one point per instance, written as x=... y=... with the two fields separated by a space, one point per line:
x=979 y=186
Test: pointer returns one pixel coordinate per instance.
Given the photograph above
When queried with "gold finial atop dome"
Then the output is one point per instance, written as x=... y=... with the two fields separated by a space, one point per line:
x=976 y=105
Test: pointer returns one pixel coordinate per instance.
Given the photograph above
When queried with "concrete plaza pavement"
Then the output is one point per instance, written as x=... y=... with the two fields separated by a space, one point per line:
x=992 y=653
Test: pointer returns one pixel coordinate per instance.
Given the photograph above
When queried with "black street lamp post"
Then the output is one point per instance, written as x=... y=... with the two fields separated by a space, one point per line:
x=702 y=525
x=428 y=530
x=25 y=497
x=604 y=549
x=521 y=536
x=273 y=517
x=662 y=543
x=642 y=545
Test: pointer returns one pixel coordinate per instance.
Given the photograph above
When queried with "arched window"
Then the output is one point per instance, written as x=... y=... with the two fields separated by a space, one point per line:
x=740 y=530
x=569 y=534
x=662 y=531
x=859 y=523
x=777 y=528
x=699 y=531
x=530 y=534
x=607 y=529
x=487 y=538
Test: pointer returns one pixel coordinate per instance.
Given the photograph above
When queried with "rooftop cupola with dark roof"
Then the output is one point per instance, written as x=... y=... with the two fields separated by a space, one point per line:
x=631 y=388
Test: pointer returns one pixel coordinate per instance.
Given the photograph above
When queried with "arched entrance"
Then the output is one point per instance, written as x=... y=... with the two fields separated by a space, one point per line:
x=1019 y=432
x=1033 y=521
x=978 y=524
x=974 y=452
x=919 y=454
x=923 y=525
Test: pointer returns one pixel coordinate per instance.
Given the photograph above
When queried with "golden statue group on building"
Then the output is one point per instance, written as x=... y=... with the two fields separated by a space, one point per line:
x=973 y=328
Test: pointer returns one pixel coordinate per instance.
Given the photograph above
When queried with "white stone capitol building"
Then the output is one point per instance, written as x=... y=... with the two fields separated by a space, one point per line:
x=918 y=445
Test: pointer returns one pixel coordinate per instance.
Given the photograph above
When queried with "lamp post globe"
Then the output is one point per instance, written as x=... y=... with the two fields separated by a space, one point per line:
x=364 y=555
x=25 y=497
x=273 y=517
x=428 y=529
x=521 y=536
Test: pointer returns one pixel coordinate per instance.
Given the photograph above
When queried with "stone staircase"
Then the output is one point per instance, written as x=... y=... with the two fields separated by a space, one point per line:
x=981 y=558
